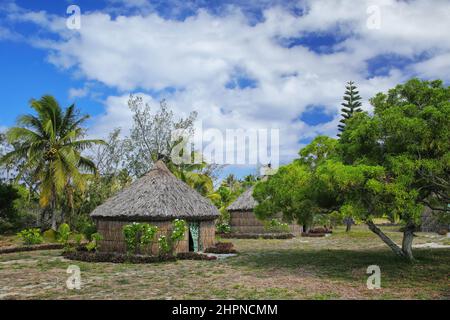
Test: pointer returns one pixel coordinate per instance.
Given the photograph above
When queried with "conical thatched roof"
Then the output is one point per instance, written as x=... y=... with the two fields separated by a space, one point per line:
x=158 y=195
x=244 y=202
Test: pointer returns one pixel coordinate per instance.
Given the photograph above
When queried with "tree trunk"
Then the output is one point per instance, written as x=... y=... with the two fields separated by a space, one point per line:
x=394 y=247
x=53 y=208
x=349 y=226
x=408 y=237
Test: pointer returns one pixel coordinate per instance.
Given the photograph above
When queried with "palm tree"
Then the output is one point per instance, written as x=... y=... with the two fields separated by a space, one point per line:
x=191 y=174
x=49 y=145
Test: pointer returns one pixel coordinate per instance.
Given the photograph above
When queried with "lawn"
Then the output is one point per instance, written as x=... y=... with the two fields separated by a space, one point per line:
x=301 y=268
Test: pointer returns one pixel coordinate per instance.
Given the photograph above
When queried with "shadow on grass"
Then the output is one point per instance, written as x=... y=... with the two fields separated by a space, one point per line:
x=430 y=268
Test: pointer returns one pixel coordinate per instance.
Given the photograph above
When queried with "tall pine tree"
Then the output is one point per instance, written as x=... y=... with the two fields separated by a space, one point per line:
x=350 y=105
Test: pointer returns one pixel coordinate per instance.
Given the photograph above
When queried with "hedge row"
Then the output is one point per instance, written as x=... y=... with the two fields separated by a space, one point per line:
x=131 y=258
x=256 y=235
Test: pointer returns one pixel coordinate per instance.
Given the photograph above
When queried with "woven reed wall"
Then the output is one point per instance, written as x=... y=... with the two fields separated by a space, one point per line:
x=246 y=222
x=207 y=234
x=114 y=241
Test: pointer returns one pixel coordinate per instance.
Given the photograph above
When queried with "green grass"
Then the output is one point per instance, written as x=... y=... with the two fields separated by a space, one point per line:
x=302 y=268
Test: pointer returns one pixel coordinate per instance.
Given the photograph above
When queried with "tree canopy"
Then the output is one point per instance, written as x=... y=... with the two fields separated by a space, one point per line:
x=391 y=163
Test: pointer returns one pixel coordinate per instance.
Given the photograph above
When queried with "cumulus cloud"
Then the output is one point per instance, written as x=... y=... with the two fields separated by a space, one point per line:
x=198 y=56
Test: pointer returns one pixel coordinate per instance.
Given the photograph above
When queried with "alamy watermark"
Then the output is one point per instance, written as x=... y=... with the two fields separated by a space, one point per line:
x=73 y=282
x=373 y=21
x=73 y=22
x=229 y=146
x=374 y=280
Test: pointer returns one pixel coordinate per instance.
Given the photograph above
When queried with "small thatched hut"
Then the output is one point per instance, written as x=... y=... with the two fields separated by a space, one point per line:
x=157 y=198
x=243 y=220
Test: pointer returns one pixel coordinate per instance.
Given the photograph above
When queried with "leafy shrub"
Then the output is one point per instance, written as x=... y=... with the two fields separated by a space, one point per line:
x=64 y=234
x=16 y=211
x=164 y=246
x=50 y=235
x=94 y=243
x=138 y=235
x=78 y=238
x=178 y=231
x=30 y=236
x=275 y=226
x=223 y=227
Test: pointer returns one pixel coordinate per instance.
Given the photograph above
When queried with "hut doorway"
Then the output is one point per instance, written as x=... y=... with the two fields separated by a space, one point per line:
x=194 y=231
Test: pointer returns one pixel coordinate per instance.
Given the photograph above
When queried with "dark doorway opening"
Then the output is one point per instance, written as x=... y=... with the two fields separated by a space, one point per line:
x=191 y=242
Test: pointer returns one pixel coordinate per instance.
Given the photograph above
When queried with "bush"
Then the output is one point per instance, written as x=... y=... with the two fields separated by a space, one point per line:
x=93 y=245
x=50 y=235
x=138 y=235
x=83 y=225
x=223 y=227
x=64 y=234
x=15 y=213
x=30 y=236
x=276 y=226
x=163 y=244
x=178 y=230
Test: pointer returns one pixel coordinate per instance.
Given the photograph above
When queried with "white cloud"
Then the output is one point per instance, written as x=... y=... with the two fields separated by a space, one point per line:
x=200 y=55
x=78 y=92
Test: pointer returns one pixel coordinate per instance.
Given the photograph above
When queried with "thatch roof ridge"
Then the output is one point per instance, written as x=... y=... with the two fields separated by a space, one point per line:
x=244 y=202
x=158 y=195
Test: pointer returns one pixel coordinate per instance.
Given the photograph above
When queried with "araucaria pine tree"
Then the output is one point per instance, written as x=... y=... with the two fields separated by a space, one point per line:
x=351 y=104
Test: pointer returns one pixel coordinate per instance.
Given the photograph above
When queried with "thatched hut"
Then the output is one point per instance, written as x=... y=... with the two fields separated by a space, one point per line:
x=157 y=198
x=243 y=220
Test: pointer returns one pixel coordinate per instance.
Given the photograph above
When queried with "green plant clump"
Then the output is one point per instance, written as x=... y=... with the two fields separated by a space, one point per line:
x=138 y=235
x=276 y=226
x=93 y=245
x=223 y=227
x=64 y=234
x=30 y=236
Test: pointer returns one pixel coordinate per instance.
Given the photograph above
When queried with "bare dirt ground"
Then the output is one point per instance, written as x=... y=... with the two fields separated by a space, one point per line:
x=301 y=268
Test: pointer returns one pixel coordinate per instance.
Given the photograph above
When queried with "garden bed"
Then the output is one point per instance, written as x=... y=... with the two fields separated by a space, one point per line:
x=313 y=234
x=131 y=258
x=34 y=247
x=221 y=248
x=256 y=235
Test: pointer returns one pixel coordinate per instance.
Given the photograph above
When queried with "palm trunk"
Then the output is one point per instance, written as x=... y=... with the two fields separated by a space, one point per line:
x=53 y=208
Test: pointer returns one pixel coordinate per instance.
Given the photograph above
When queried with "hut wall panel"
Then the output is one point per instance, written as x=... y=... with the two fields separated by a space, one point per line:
x=207 y=234
x=114 y=240
x=246 y=222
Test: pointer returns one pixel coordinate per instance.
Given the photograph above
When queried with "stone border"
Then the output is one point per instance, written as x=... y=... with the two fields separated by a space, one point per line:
x=35 y=247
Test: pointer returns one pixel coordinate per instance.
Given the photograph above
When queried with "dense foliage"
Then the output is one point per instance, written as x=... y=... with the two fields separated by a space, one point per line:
x=391 y=163
x=138 y=235
x=49 y=144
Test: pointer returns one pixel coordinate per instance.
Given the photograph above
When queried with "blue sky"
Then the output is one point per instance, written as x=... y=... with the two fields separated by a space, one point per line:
x=240 y=64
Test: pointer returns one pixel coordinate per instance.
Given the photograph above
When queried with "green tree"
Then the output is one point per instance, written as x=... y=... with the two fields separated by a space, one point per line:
x=392 y=163
x=351 y=104
x=297 y=193
x=50 y=145
x=409 y=137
